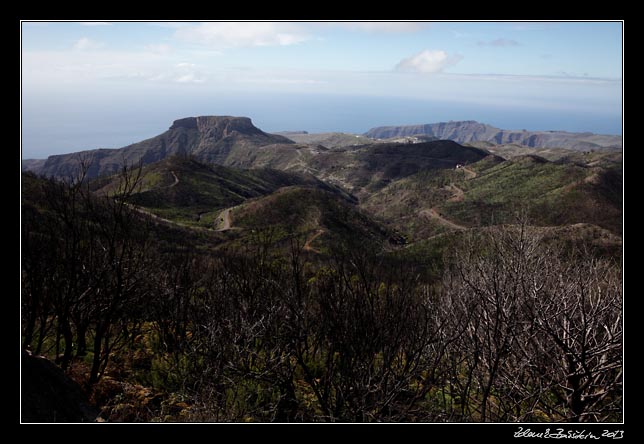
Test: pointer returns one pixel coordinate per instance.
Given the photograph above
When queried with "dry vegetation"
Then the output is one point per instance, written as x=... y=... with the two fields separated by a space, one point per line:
x=503 y=327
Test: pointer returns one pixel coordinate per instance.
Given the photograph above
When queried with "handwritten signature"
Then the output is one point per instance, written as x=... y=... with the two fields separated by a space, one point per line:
x=568 y=434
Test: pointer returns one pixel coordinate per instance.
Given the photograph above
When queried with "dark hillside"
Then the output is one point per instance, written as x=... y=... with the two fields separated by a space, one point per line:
x=189 y=191
x=210 y=139
x=371 y=167
x=327 y=218
x=49 y=395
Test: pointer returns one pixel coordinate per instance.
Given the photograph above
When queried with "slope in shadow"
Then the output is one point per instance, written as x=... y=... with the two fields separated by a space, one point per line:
x=49 y=395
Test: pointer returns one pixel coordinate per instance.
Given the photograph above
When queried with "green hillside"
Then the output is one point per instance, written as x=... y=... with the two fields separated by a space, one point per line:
x=238 y=277
x=552 y=193
x=491 y=191
x=190 y=192
x=322 y=219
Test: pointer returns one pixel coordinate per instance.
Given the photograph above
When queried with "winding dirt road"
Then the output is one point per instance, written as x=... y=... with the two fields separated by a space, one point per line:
x=307 y=244
x=162 y=220
x=432 y=213
x=459 y=194
x=176 y=180
x=173 y=184
x=225 y=216
x=471 y=173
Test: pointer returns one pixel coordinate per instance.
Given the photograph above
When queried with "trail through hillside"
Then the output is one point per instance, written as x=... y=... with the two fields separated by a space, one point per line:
x=176 y=180
x=299 y=161
x=432 y=213
x=307 y=244
x=162 y=220
x=173 y=184
x=470 y=173
x=225 y=216
x=459 y=194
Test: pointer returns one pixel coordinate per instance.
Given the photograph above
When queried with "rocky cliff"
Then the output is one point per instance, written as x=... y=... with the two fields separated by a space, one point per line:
x=209 y=139
x=472 y=131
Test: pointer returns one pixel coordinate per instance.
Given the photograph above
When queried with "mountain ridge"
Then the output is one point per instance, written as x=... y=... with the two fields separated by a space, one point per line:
x=235 y=141
x=209 y=139
x=468 y=131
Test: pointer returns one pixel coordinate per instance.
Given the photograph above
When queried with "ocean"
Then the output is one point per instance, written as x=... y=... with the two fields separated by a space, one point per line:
x=49 y=127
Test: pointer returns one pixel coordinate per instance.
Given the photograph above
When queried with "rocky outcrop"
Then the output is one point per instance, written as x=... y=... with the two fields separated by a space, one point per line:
x=471 y=131
x=210 y=139
x=32 y=164
x=462 y=132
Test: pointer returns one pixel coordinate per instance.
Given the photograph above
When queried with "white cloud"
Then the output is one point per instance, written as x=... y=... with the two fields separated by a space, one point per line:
x=239 y=34
x=189 y=78
x=53 y=70
x=387 y=27
x=158 y=49
x=185 y=72
x=84 y=44
x=427 y=62
x=95 y=24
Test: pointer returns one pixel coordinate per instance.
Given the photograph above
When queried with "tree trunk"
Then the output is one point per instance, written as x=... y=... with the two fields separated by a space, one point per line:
x=575 y=401
x=287 y=405
x=69 y=343
x=96 y=361
x=29 y=331
x=41 y=336
x=81 y=331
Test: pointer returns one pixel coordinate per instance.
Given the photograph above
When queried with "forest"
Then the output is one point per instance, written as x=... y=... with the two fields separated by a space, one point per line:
x=502 y=326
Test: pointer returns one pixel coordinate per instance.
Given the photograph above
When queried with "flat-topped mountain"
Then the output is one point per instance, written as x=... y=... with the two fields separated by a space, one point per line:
x=210 y=139
x=471 y=131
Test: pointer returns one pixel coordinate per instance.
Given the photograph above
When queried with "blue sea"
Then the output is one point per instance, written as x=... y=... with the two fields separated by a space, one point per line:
x=55 y=128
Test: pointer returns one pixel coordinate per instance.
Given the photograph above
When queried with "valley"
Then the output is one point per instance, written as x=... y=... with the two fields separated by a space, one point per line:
x=217 y=272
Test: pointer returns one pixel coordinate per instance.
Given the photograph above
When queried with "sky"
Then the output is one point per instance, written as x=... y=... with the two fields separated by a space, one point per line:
x=89 y=85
